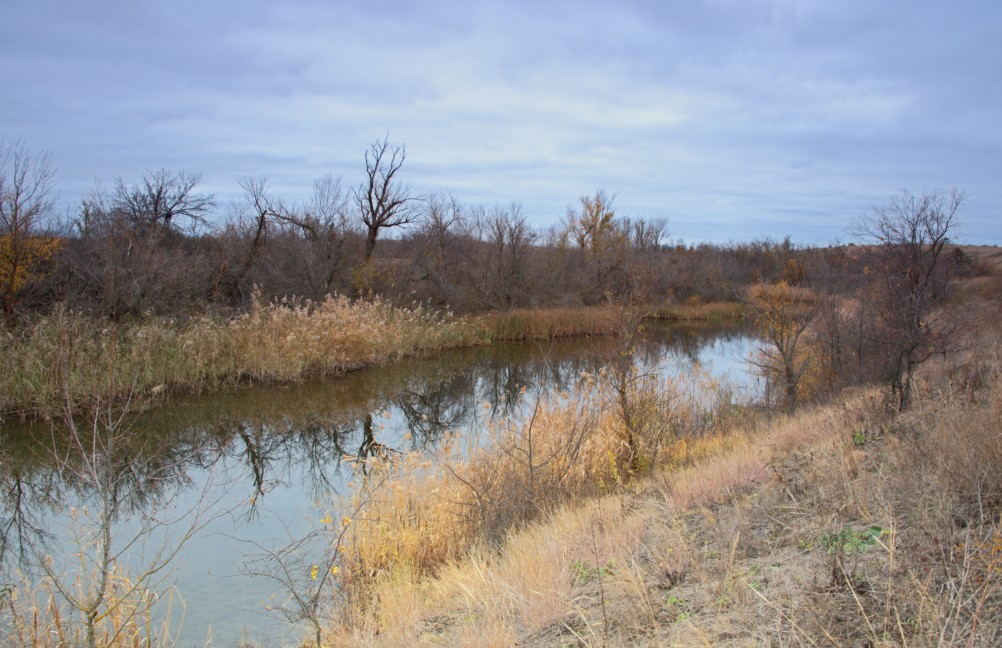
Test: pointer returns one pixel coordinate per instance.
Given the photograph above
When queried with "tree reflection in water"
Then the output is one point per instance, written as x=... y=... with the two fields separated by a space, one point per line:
x=310 y=437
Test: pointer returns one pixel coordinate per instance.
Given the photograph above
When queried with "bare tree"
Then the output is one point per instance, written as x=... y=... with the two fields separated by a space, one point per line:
x=782 y=315
x=133 y=255
x=910 y=283
x=503 y=282
x=25 y=199
x=161 y=197
x=440 y=258
x=382 y=201
x=323 y=222
x=122 y=542
x=311 y=570
x=261 y=208
x=647 y=234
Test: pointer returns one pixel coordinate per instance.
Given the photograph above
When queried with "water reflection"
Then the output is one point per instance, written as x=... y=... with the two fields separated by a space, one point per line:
x=288 y=447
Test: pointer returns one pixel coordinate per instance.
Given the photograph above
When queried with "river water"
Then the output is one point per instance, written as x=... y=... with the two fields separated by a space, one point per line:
x=272 y=459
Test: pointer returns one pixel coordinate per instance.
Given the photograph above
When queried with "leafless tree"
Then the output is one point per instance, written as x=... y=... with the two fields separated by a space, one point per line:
x=382 y=201
x=911 y=279
x=162 y=197
x=324 y=224
x=121 y=549
x=132 y=255
x=647 y=234
x=783 y=314
x=25 y=200
x=503 y=282
x=441 y=255
x=261 y=208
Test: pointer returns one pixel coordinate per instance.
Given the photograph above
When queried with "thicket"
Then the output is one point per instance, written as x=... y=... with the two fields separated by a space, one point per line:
x=160 y=246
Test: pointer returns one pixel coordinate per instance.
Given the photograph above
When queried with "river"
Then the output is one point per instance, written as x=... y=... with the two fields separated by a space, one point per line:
x=272 y=459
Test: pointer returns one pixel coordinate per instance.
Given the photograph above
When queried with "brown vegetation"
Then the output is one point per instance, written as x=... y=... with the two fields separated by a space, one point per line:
x=627 y=511
x=842 y=525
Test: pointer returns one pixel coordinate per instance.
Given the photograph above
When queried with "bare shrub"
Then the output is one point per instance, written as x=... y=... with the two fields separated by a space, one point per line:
x=910 y=283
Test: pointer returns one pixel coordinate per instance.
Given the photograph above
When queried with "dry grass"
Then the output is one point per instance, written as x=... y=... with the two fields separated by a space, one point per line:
x=34 y=616
x=548 y=323
x=760 y=536
x=273 y=342
x=841 y=525
x=276 y=342
x=428 y=518
x=699 y=311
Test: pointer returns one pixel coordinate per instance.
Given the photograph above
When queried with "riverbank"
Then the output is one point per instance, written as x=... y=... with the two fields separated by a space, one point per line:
x=844 y=524
x=68 y=357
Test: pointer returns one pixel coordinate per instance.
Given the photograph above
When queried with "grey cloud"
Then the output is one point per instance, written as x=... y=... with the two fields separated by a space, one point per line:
x=745 y=117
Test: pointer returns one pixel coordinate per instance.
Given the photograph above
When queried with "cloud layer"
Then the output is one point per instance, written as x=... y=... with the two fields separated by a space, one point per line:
x=736 y=119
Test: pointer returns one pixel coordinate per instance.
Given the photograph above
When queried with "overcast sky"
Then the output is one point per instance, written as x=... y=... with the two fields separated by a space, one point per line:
x=735 y=119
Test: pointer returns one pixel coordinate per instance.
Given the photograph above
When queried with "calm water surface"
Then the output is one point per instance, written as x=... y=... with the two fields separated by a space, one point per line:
x=272 y=459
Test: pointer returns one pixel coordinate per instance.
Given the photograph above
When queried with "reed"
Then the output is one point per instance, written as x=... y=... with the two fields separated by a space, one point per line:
x=548 y=323
x=70 y=354
x=34 y=616
x=699 y=311
x=66 y=354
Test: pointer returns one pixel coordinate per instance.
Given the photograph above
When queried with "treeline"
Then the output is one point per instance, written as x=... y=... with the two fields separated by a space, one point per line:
x=157 y=247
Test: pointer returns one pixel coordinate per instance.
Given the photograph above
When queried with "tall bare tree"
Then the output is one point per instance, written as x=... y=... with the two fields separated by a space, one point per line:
x=647 y=234
x=441 y=256
x=503 y=280
x=382 y=201
x=134 y=254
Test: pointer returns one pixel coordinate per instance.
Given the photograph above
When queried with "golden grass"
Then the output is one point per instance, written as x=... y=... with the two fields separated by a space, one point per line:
x=278 y=342
x=541 y=535
x=273 y=342
x=548 y=323
x=725 y=544
x=698 y=311
x=34 y=616
x=439 y=521
x=425 y=511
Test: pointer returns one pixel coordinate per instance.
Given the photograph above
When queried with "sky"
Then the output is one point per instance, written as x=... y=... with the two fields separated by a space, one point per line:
x=734 y=119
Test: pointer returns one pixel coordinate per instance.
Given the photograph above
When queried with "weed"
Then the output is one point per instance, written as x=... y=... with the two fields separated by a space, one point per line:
x=583 y=573
x=849 y=541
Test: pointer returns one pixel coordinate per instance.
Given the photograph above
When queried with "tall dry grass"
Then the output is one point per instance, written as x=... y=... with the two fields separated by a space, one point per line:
x=726 y=544
x=286 y=341
x=273 y=342
x=33 y=615
x=696 y=310
x=427 y=514
x=548 y=323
